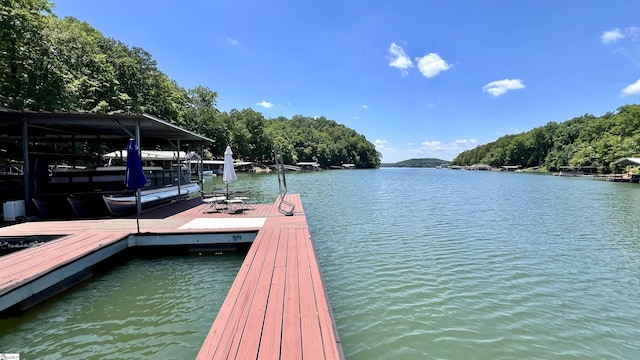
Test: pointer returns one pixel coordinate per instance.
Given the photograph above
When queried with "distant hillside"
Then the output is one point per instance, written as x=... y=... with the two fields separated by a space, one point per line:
x=428 y=162
x=582 y=141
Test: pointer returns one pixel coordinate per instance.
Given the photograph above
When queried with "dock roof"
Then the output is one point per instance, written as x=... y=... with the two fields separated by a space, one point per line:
x=50 y=125
x=627 y=161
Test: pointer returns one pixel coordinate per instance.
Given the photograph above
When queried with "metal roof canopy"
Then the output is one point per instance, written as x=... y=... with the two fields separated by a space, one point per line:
x=52 y=125
x=63 y=126
x=633 y=161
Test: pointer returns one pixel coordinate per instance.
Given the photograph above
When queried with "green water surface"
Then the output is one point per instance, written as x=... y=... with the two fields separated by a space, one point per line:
x=418 y=264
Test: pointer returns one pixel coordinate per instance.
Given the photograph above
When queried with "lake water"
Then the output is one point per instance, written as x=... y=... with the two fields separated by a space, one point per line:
x=418 y=264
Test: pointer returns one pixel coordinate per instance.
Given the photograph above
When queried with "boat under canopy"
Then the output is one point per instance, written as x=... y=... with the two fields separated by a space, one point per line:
x=125 y=204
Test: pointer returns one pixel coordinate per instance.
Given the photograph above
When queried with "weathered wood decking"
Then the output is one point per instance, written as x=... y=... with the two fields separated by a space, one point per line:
x=276 y=308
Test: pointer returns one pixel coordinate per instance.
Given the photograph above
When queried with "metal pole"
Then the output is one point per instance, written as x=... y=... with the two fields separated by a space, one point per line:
x=179 y=172
x=26 y=171
x=138 y=193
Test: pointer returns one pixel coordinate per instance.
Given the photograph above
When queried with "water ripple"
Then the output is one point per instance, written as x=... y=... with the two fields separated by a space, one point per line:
x=457 y=265
x=143 y=309
x=418 y=264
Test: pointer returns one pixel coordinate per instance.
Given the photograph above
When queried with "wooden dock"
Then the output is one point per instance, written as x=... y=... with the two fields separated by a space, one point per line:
x=277 y=306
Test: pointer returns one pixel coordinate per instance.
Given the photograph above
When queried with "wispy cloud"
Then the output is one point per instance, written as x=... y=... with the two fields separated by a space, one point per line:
x=627 y=42
x=399 y=59
x=455 y=146
x=432 y=64
x=497 y=88
x=443 y=150
x=633 y=89
x=364 y=106
x=611 y=36
x=233 y=41
x=631 y=33
x=381 y=145
x=466 y=143
x=265 y=104
x=426 y=149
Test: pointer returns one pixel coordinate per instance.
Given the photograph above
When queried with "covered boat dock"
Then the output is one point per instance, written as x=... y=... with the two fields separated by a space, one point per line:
x=35 y=141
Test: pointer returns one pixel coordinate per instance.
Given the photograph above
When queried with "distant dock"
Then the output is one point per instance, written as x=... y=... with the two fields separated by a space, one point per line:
x=277 y=306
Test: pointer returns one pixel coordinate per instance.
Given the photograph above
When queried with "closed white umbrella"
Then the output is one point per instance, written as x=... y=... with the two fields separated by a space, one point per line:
x=229 y=173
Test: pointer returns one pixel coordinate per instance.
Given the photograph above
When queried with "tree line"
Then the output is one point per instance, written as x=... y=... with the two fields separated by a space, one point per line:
x=583 y=141
x=53 y=64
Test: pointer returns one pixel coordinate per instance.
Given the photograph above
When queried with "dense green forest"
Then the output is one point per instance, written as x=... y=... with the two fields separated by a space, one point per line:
x=583 y=141
x=53 y=64
x=425 y=162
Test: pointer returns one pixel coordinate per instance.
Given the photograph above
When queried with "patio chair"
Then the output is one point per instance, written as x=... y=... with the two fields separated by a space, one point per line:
x=216 y=203
x=244 y=201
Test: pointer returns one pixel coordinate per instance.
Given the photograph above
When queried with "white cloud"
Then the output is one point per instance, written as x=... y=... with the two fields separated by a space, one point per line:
x=233 y=41
x=432 y=64
x=364 y=106
x=265 y=104
x=455 y=147
x=633 y=33
x=426 y=149
x=431 y=146
x=497 y=88
x=626 y=41
x=442 y=150
x=611 y=36
x=381 y=145
x=633 y=89
x=399 y=59
x=466 y=143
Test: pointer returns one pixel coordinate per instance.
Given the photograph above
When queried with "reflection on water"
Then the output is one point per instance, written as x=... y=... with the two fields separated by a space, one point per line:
x=159 y=308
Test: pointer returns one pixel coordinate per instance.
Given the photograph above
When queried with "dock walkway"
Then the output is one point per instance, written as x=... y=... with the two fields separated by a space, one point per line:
x=277 y=306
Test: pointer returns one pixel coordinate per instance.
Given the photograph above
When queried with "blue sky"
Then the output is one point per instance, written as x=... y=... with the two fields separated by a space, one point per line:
x=417 y=78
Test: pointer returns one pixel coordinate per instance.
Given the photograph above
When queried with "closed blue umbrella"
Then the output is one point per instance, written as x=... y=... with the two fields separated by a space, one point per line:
x=135 y=178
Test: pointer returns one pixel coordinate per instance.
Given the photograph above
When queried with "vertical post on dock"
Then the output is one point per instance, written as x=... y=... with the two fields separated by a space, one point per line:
x=282 y=184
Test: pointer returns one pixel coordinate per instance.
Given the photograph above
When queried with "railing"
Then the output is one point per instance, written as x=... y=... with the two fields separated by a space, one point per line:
x=11 y=169
x=284 y=207
x=291 y=167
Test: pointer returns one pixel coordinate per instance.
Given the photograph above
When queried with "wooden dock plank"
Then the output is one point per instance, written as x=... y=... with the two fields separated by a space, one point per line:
x=290 y=301
x=49 y=227
x=291 y=332
x=59 y=252
x=249 y=342
x=225 y=324
x=330 y=338
x=272 y=329
x=311 y=335
x=18 y=270
x=247 y=296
